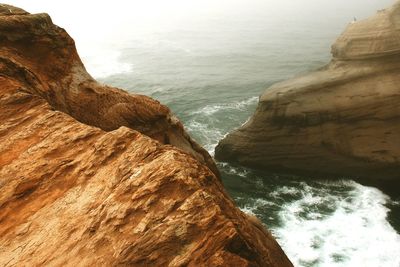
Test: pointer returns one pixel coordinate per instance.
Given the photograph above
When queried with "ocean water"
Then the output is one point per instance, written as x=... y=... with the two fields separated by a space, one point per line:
x=209 y=61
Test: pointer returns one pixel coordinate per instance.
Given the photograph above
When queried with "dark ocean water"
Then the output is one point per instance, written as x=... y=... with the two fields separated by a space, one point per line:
x=209 y=66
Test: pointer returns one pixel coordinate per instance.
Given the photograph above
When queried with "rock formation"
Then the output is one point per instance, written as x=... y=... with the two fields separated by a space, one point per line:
x=93 y=176
x=340 y=121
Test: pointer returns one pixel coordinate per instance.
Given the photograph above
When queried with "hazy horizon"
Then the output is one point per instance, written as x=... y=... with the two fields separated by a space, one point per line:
x=102 y=25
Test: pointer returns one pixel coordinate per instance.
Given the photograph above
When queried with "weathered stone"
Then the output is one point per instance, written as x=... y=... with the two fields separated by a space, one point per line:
x=93 y=176
x=340 y=121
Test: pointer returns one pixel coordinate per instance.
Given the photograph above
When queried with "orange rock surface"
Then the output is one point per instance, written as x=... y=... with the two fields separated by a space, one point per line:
x=93 y=176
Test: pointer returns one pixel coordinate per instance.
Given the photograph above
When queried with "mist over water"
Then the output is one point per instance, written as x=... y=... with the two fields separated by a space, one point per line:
x=209 y=61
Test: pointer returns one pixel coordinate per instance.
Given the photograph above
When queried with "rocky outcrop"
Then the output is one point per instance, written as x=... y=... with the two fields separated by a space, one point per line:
x=340 y=121
x=93 y=176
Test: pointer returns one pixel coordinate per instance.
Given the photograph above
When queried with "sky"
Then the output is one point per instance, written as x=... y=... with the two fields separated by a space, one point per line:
x=101 y=27
x=93 y=18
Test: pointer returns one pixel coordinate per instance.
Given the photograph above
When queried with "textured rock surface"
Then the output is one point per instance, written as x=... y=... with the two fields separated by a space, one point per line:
x=93 y=176
x=342 y=120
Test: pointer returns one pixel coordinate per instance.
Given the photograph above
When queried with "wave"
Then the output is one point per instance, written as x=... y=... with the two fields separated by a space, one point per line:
x=239 y=171
x=252 y=208
x=207 y=127
x=209 y=136
x=325 y=227
x=238 y=105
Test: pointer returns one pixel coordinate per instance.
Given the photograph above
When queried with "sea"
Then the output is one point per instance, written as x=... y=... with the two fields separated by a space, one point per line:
x=209 y=61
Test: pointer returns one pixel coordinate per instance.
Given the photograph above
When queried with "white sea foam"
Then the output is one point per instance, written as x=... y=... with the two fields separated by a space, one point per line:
x=238 y=105
x=207 y=127
x=395 y=203
x=284 y=190
x=237 y=171
x=356 y=233
x=254 y=204
x=210 y=135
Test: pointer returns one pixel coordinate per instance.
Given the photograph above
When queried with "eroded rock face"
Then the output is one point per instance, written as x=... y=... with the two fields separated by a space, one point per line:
x=44 y=56
x=93 y=176
x=340 y=121
x=377 y=36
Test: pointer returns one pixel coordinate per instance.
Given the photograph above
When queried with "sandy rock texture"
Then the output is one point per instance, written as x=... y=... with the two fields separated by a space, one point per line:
x=340 y=121
x=93 y=176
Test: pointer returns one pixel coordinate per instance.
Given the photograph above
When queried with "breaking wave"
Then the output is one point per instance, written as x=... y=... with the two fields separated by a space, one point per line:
x=332 y=224
x=205 y=123
x=238 y=105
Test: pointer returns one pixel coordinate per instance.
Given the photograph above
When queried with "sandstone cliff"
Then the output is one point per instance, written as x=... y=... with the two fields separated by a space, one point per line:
x=93 y=176
x=340 y=121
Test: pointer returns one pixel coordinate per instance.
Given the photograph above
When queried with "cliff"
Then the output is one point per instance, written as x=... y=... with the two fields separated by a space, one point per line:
x=340 y=121
x=91 y=175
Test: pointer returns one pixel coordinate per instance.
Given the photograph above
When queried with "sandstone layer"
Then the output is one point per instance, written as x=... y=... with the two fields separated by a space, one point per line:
x=340 y=121
x=93 y=176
